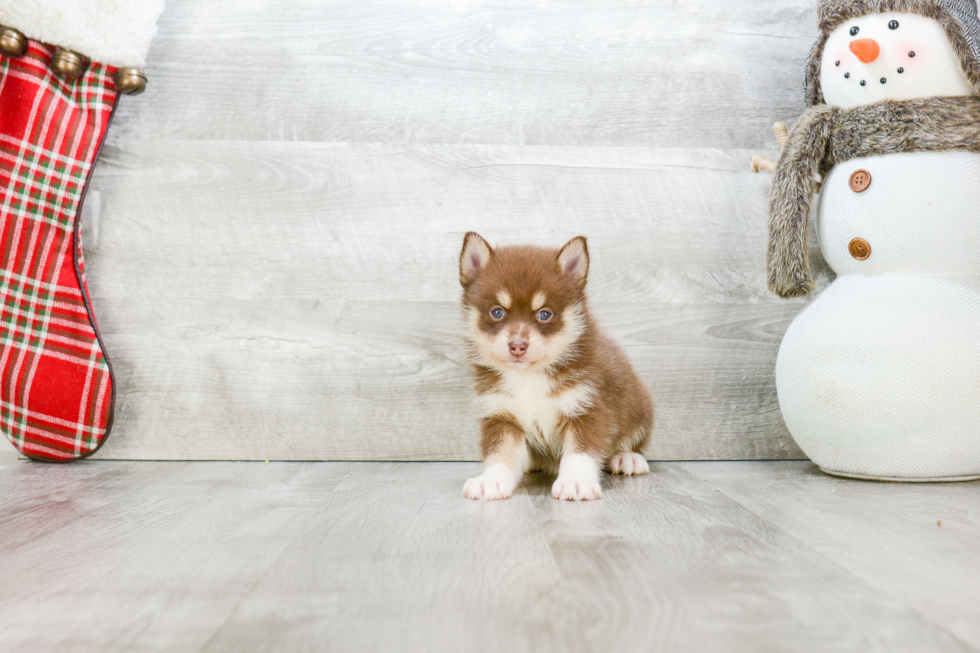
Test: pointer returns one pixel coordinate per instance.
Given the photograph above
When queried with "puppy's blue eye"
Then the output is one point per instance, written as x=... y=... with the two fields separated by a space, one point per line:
x=855 y=30
x=497 y=313
x=544 y=316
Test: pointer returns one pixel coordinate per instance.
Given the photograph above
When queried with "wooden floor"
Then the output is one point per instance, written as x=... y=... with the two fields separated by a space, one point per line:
x=708 y=556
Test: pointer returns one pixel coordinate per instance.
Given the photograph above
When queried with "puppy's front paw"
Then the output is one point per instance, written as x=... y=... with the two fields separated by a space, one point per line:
x=578 y=479
x=572 y=488
x=498 y=482
x=628 y=464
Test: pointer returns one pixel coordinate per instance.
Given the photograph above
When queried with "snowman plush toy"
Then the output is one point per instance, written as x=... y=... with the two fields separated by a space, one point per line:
x=879 y=377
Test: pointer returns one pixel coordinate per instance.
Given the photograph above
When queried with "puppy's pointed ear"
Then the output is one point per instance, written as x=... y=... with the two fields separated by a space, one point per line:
x=474 y=257
x=574 y=260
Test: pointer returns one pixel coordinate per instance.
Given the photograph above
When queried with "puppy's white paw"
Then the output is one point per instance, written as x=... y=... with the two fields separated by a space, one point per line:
x=628 y=464
x=576 y=489
x=498 y=482
x=578 y=479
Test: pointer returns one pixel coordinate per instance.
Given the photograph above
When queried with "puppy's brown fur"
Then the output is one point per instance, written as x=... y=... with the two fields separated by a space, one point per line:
x=552 y=393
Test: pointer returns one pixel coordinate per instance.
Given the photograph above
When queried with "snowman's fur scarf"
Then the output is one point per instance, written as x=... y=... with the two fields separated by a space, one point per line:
x=825 y=136
x=831 y=13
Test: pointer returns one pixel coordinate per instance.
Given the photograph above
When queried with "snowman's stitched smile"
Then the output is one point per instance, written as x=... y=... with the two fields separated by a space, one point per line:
x=883 y=80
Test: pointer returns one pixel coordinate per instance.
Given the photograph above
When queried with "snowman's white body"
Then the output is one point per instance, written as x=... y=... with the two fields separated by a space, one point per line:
x=880 y=376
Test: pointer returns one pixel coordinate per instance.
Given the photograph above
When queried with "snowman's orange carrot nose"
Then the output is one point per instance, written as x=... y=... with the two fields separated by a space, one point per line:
x=866 y=49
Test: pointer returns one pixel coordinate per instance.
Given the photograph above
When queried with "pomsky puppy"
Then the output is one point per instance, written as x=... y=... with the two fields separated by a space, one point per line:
x=553 y=393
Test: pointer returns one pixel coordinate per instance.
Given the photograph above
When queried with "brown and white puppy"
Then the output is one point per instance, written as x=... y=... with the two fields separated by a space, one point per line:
x=553 y=393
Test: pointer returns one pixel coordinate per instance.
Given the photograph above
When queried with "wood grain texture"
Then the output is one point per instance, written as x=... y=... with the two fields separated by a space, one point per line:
x=220 y=556
x=281 y=214
x=693 y=73
x=166 y=549
x=318 y=319
x=918 y=546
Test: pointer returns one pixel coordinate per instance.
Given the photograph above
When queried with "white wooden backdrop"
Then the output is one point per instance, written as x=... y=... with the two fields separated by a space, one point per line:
x=274 y=264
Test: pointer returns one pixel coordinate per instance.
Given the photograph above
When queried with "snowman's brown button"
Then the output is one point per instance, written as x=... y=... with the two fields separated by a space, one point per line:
x=859 y=248
x=859 y=181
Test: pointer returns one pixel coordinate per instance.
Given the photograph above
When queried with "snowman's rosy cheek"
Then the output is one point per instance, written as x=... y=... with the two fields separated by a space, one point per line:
x=902 y=55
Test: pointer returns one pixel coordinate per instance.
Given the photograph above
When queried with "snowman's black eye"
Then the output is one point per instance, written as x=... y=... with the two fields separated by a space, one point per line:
x=863 y=82
x=883 y=80
x=855 y=30
x=901 y=70
x=893 y=24
x=911 y=54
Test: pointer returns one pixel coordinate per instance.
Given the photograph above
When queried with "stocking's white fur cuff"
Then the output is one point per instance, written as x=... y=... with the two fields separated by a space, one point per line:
x=113 y=32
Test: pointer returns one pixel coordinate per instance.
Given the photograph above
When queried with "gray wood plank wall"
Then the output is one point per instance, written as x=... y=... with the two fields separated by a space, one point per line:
x=281 y=213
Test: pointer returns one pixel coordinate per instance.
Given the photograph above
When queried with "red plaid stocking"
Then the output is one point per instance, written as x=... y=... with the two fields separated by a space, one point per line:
x=56 y=386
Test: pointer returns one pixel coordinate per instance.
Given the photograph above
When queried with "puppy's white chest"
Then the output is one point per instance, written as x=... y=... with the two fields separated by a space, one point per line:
x=530 y=397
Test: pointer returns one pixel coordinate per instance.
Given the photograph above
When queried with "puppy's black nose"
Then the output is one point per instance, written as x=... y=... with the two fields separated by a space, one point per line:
x=517 y=347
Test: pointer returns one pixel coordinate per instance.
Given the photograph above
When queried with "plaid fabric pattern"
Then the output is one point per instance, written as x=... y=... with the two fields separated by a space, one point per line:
x=56 y=388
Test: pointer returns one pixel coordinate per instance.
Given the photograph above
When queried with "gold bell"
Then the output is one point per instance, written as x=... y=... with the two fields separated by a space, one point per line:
x=67 y=63
x=12 y=42
x=130 y=81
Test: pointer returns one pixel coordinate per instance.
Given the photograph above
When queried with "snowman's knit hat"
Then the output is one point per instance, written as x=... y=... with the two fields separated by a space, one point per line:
x=958 y=18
